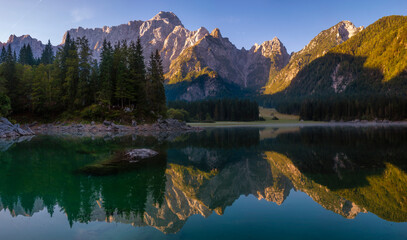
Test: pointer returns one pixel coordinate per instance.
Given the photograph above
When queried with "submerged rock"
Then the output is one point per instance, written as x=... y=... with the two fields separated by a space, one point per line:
x=136 y=155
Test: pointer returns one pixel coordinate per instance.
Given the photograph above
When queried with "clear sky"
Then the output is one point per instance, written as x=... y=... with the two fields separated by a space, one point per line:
x=294 y=22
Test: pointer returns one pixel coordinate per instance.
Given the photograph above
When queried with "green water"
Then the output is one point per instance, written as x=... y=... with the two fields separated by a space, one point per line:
x=223 y=183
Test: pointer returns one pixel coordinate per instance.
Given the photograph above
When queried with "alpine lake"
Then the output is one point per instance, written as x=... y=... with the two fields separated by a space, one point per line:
x=221 y=183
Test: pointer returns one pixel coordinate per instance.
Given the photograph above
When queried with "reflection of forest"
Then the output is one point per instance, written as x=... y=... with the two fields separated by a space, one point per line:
x=345 y=170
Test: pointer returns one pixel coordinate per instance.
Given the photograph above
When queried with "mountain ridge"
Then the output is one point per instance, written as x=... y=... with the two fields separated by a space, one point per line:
x=208 y=56
x=317 y=47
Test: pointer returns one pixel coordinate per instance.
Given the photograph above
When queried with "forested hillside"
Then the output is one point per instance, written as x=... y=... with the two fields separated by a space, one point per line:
x=316 y=48
x=73 y=83
x=364 y=77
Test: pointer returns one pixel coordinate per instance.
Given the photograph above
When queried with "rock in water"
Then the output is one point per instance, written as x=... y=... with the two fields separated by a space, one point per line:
x=136 y=155
x=8 y=130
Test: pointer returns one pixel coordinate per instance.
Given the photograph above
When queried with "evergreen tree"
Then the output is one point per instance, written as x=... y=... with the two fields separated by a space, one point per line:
x=29 y=56
x=15 y=56
x=43 y=93
x=84 y=96
x=105 y=71
x=26 y=56
x=94 y=84
x=70 y=83
x=137 y=79
x=120 y=73
x=3 y=55
x=9 y=74
x=47 y=56
x=156 y=91
x=22 y=56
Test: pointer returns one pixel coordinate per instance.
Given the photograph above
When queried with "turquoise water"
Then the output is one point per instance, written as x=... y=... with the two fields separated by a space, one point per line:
x=224 y=183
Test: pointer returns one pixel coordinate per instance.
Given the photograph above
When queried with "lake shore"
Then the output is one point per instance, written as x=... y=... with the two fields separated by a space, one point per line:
x=291 y=123
x=166 y=126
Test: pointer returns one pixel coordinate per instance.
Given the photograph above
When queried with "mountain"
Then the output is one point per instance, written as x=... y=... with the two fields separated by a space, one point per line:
x=372 y=62
x=316 y=48
x=215 y=55
x=189 y=55
x=198 y=64
x=164 y=32
x=16 y=43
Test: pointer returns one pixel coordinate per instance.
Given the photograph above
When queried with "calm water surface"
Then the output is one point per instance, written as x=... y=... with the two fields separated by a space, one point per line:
x=224 y=183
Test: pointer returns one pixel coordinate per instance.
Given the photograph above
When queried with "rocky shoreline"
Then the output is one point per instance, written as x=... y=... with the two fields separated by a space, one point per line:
x=166 y=126
x=9 y=130
x=161 y=126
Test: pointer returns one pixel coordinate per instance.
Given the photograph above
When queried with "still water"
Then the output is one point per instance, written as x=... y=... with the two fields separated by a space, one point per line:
x=224 y=183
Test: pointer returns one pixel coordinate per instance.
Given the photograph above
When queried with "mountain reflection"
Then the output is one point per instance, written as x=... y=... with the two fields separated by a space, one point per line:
x=345 y=170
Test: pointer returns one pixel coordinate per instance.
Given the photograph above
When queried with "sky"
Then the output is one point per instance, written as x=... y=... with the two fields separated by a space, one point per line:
x=294 y=22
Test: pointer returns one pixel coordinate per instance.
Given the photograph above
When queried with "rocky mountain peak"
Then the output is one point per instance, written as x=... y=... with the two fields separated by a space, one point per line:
x=216 y=33
x=272 y=49
x=168 y=17
x=317 y=47
x=17 y=42
x=347 y=29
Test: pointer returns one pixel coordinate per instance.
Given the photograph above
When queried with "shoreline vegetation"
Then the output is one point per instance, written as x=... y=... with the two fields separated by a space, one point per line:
x=72 y=86
x=274 y=118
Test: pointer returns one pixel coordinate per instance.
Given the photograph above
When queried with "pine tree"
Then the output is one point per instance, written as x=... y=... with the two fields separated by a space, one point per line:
x=15 y=56
x=84 y=96
x=105 y=71
x=95 y=83
x=26 y=56
x=137 y=79
x=120 y=72
x=156 y=91
x=29 y=56
x=3 y=55
x=22 y=56
x=10 y=76
x=72 y=76
x=47 y=56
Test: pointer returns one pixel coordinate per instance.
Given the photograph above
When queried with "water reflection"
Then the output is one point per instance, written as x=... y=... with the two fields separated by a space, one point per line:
x=345 y=170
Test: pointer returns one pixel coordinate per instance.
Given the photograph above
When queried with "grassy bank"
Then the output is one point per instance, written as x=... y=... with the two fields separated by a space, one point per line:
x=270 y=116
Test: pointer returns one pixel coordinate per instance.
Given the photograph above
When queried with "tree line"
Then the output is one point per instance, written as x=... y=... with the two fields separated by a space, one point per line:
x=72 y=80
x=218 y=110
x=344 y=107
x=347 y=108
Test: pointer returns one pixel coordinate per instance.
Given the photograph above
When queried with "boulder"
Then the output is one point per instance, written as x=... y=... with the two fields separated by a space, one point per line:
x=5 y=121
x=107 y=123
x=8 y=130
x=134 y=123
x=136 y=155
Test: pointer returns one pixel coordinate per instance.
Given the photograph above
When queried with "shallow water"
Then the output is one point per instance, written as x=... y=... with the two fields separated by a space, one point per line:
x=223 y=183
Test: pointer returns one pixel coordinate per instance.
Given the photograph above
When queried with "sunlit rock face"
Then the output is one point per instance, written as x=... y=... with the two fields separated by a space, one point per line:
x=215 y=55
x=163 y=32
x=189 y=54
x=317 y=47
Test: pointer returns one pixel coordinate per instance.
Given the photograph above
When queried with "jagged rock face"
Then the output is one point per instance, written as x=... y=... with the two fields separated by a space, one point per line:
x=186 y=54
x=164 y=32
x=266 y=60
x=16 y=43
x=316 y=48
x=216 y=55
x=213 y=52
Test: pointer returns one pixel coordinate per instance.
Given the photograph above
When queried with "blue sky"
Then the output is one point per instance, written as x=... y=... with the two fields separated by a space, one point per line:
x=294 y=22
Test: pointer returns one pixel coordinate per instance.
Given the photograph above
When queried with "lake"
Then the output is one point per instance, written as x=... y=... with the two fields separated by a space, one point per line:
x=222 y=183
